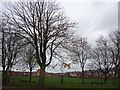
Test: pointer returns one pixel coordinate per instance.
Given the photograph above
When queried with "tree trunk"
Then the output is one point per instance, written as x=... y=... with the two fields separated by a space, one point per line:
x=42 y=77
x=118 y=76
x=9 y=76
x=115 y=74
x=30 y=74
x=105 y=79
x=82 y=76
x=4 y=78
x=61 y=80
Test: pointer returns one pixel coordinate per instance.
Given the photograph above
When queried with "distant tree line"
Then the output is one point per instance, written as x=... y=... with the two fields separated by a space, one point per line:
x=104 y=55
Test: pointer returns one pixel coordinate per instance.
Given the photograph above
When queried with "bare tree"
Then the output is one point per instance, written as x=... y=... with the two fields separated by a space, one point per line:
x=29 y=60
x=10 y=49
x=79 y=51
x=102 y=57
x=115 y=48
x=43 y=24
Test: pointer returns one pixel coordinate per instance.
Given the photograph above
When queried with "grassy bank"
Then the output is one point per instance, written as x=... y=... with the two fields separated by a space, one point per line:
x=55 y=82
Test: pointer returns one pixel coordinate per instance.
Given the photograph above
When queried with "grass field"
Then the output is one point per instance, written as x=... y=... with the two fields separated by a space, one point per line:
x=55 y=82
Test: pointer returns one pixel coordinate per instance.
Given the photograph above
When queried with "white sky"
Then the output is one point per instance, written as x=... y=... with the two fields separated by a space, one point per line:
x=94 y=18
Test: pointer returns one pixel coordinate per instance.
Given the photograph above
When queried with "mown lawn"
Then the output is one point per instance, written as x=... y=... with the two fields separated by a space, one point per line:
x=55 y=82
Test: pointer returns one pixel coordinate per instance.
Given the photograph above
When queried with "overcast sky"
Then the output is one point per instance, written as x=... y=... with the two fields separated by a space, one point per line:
x=94 y=18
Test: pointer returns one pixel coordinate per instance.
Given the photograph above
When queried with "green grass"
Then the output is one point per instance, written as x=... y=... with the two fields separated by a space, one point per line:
x=55 y=82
